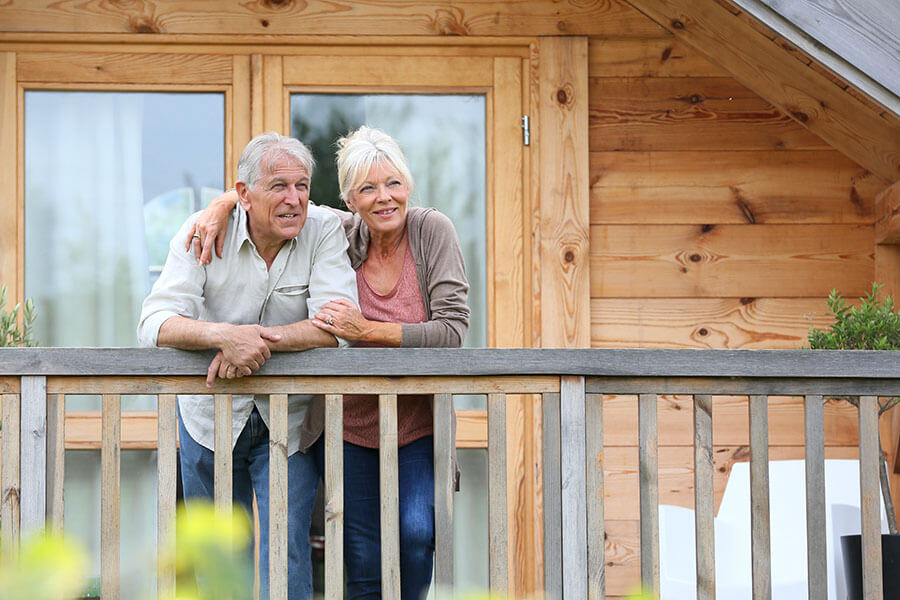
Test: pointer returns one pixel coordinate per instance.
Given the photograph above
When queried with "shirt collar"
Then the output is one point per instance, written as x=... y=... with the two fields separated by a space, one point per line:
x=242 y=235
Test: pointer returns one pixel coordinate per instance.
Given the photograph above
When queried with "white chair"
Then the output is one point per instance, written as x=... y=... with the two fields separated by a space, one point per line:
x=787 y=510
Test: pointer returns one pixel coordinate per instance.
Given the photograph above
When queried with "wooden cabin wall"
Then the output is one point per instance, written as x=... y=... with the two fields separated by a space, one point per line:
x=715 y=221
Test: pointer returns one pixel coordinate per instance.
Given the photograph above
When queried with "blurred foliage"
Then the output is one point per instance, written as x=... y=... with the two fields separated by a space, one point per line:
x=11 y=334
x=48 y=567
x=322 y=141
x=214 y=547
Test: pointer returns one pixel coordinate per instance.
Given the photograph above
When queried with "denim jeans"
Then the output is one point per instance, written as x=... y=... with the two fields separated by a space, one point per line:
x=250 y=463
x=362 y=518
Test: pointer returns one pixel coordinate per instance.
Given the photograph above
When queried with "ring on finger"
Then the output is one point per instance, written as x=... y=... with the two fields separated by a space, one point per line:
x=330 y=320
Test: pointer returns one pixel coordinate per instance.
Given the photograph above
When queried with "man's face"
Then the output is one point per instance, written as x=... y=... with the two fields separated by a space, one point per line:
x=277 y=205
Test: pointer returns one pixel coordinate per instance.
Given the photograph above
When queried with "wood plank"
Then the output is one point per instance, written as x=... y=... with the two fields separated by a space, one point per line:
x=386 y=71
x=223 y=453
x=887 y=215
x=118 y=68
x=498 y=569
x=662 y=56
x=110 y=461
x=564 y=192
x=574 y=487
x=274 y=96
x=730 y=427
x=33 y=457
x=704 y=498
x=760 y=538
x=56 y=462
x=847 y=124
x=390 y=498
x=649 y=491
x=238 y=132
x=334 y=497
x=869 y=494
x=596 y=527
x=278 y=497
x=139 y=430
x=444 y=486
x=10 y=488
x=552 y=506
x=731 y=187
x=166 y=477
x=817 y=562
x=730 y=260
x=687 y=114
x=9 y=205
x=319 y=17
x=860 y=32
x=747 y=323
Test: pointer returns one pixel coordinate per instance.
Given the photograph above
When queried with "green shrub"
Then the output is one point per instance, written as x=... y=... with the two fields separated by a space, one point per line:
x=10 y=332
x=873 y=325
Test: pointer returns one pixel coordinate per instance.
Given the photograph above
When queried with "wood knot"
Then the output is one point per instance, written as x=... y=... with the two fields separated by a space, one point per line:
x=449 y=22
x=565 y=95
x=561 y=25
x=696 y=258
x=676 y=24
x=746 y=301
x=800 y=116
x=696 y=99
x=666 y=54
x=278 y=3
x=144 y=25
x=569 y=256
x=561 y=96
x=702 y=331
x=707 y=228
x=264 y=22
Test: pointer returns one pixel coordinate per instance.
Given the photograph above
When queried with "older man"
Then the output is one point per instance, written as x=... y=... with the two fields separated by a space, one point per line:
x=284 y=259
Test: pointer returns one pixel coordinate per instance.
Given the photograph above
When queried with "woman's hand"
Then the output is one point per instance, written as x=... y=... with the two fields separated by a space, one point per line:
x=342 y=318
x=209 y=228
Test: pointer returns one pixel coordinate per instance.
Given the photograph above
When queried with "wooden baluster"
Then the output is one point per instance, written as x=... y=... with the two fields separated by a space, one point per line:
x=33 y=457
x=334 y=497
x=553 y=582
x=166 y=469
x=110 y=460
x=56 y=461
x=816 y=558
x=704 y=498
x=596 y=530
x=223 y=471
x=444 y=477
x=760 y=538
x=498 y=540
x=574 y=487
x=870 y=504
x=278 y=497
x=390 y=500
x=648 y=459
x=10 y=506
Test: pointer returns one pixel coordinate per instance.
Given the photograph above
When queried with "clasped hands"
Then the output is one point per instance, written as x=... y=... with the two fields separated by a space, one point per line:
x=242 y=350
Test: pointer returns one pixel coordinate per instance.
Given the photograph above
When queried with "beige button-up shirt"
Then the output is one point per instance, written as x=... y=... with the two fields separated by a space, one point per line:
x=308 y=271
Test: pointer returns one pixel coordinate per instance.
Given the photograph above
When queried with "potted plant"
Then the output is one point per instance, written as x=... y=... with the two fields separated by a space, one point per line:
x=871 y=325
x=10 y=332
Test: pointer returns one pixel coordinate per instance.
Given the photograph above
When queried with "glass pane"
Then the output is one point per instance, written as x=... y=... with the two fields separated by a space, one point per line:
x=443 y=138
x=109 y=177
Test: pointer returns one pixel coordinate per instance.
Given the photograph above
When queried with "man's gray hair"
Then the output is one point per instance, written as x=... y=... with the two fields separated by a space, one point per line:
x=265 y=150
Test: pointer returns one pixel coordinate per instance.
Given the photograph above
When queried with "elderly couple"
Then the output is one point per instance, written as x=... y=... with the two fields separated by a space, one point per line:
x=290 y=275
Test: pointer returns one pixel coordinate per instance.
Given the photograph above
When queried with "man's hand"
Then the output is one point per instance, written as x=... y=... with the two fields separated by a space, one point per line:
x=242 y=350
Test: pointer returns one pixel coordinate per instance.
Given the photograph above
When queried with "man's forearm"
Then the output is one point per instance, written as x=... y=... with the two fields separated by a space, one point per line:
x=189 y=334
x=301 y=335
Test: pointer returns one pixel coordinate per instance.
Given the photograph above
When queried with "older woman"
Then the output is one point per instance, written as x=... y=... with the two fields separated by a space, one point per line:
x=412 y=293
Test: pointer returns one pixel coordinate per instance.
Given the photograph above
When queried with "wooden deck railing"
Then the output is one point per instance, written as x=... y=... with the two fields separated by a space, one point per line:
x=34 y=383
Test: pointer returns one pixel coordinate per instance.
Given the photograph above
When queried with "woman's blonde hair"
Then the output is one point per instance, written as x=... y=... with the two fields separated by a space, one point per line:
x=362 y=149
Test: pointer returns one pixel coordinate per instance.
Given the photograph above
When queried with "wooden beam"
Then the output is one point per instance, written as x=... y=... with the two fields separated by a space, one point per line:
x=809 y=96
x=564 y=193
x=887 y=216
x=9 y=208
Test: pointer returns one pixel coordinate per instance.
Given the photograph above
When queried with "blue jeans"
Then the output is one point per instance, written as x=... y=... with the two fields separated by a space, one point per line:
x=250 y=463
x=362 y=518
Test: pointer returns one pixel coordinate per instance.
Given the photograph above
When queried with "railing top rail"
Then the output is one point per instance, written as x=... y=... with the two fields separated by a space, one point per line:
x=431 y=362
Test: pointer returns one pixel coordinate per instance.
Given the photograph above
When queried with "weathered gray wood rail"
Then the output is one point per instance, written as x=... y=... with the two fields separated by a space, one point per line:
x=34 y=382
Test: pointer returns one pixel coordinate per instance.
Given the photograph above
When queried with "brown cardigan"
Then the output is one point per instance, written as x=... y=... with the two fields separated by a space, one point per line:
x=442 y=282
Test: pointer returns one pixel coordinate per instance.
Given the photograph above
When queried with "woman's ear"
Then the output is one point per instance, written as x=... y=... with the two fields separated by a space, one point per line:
x=349 y=204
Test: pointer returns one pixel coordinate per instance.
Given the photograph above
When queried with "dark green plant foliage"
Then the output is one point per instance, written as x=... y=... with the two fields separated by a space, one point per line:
x=872 y=325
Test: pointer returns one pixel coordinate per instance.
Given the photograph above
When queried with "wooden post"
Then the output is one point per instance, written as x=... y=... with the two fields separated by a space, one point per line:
x=278 y=497
x=553 y=581
x=33 y=440
x=497 y=508
x=444 y=477
x=166 y=469
x=390 y=499
x=704 y=498
x=869 y=497
x=10 y=507
x=109 y=496
x=648 y=436
x=760 y=539
x=596 y=529
x=334 y=497
x=816 y=559
x=574 y=486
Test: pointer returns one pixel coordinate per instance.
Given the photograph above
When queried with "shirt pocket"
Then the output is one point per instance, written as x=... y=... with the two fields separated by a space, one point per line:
x=286 y=304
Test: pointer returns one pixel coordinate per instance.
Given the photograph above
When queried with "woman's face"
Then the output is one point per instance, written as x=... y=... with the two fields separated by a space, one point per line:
x=381 y=199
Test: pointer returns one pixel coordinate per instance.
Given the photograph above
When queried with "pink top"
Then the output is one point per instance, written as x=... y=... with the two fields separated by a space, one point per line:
x=403 y=304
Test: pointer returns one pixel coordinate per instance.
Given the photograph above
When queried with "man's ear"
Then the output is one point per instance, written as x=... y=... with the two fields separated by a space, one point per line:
x=243 y=192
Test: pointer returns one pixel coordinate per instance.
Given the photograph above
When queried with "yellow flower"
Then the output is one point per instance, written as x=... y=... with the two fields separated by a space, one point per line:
x=48 y=566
